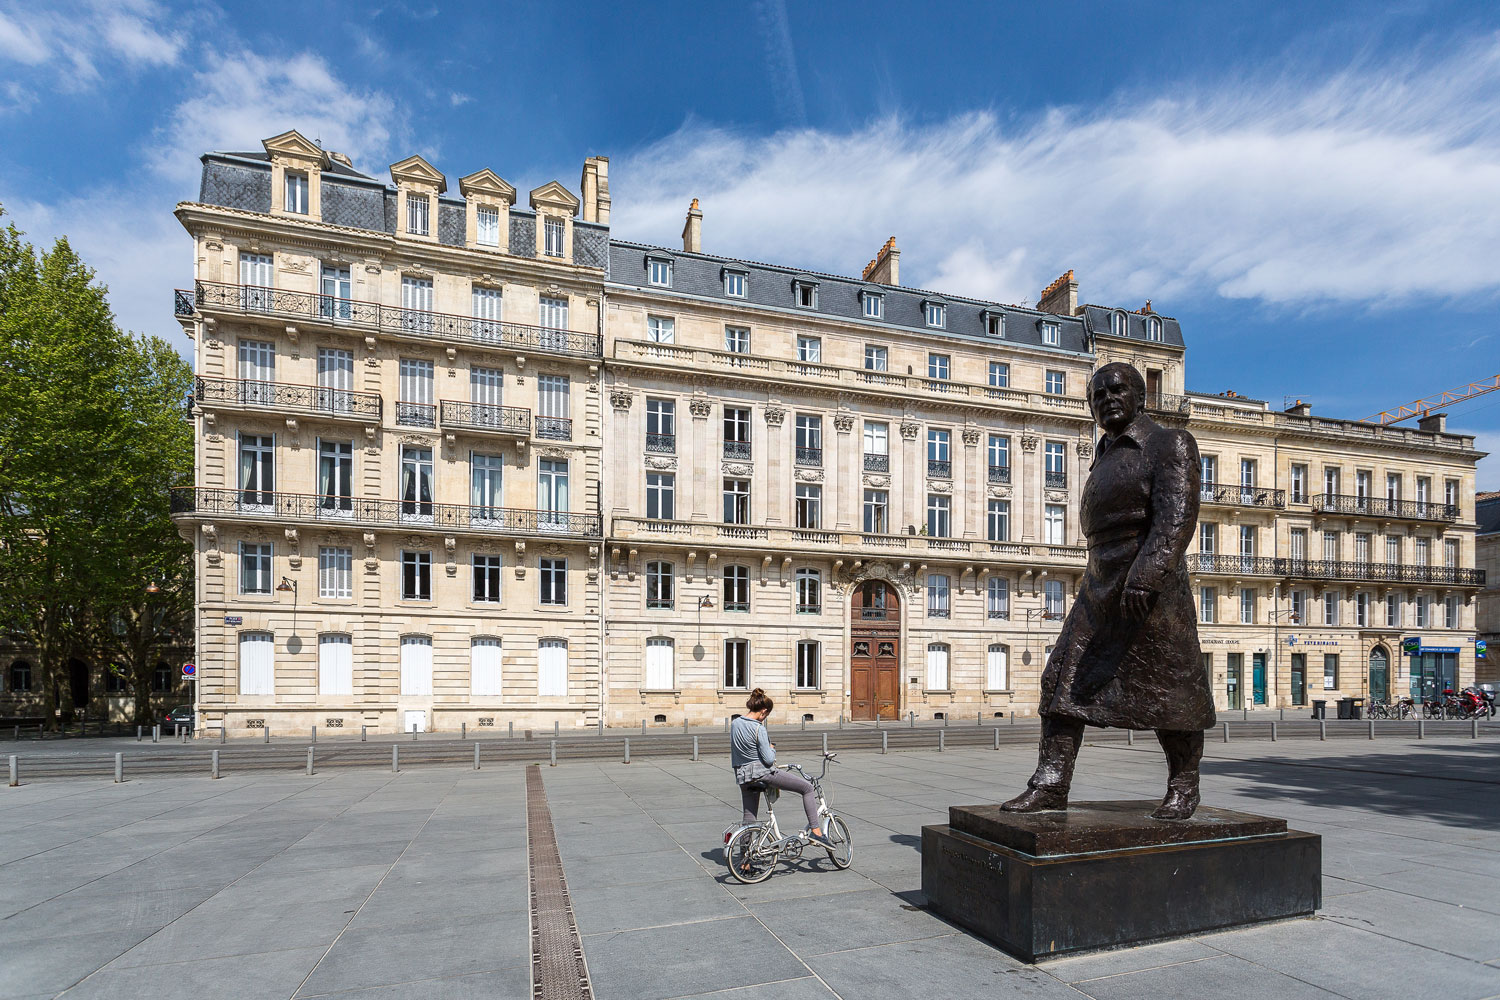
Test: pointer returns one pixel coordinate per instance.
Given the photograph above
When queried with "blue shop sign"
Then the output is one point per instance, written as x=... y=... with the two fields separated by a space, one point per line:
x=1412 y=646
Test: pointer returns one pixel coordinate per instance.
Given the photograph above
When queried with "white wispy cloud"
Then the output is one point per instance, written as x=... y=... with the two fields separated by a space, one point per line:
x=1376 y=185
x=74 y=39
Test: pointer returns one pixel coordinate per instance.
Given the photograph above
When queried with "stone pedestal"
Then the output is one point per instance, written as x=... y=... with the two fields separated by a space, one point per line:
x=1104 y=874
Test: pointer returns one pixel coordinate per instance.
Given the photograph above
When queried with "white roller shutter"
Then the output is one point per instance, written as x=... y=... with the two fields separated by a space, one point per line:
x=937 y=667
x=659 y=664
x=416 y=665
x=552 y=668
x=999 y=668
x=484 y=667
x=335 y=664
x=257 y=663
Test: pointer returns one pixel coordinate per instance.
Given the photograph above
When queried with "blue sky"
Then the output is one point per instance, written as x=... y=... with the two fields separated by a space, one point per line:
x=1313 y=189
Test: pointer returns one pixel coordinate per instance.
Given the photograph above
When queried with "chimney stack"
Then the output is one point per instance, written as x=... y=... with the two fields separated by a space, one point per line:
x=341 y=158
x=885 y=269
x=595 y=189
x=1061 y=297
x=1300 y=409
x=692 y=230
x=1437 y=423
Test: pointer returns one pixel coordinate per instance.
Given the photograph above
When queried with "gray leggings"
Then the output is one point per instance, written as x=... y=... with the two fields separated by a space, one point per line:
x=787 y=782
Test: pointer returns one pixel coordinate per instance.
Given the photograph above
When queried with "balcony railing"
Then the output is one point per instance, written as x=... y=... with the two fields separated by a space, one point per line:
x=513 y=420
x=661 y=444
x=1409 y=510
x=312 y=307
x=1000 y=475
x=1333 y=569
x=251 y=394
x=938 y=468
x=1165 y=402
x=554 y=428
x=416 y=414
x=810 y=457
x=877 y=463
x=737 y=449
x=416 y=515
x=1055 y=480
x=1242 y=496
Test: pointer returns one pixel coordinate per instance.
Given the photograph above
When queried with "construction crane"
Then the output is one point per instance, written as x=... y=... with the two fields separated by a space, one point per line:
x=1424 y=406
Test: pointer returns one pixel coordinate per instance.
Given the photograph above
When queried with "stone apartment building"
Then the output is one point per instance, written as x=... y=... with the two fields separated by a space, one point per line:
x=461 y=461
x=1487 y=558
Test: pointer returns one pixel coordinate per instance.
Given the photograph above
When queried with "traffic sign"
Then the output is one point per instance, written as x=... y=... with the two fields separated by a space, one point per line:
x=189 y=669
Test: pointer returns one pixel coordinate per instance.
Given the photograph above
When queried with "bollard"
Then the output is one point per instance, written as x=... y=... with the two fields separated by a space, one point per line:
x=627 y=749
x=309 y=761
x=978 y=718
x=684 y=725
x=15 y=772
x=941 y=734
x=138 y=730
x=1421 y=729
x=1013 y=717
x=414 y=732
x=215 y=771
x=997 y=737
x=156 y=734
x=1226 y=731
x=476 y=756
x=911 y=720
x=726 y=723
x=510 y=729
x=1273 y=732
x=885 y=737
x=1473 y=729
x=695 y=748
x=1281 y=714
x=554 y=753
x=363 y=733
x=601 y=723
x=1245 y=713
x=395 y=757
x=825 y=742
x=1322 y=729
x=643 y=727
x=804 y=723
x=556 y=727
x=1372 y=729
x=119 y=768
x=1130 y=737
x=945 y=719
x=314 y=734
x=463 y=730
x=18 y=733
x=877 y=718
x=266 y=735
x=841 y=720
x=223 y=732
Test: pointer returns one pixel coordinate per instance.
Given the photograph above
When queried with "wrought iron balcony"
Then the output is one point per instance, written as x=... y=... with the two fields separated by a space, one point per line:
x=1333 y=569
x=737 y=449
x=213 y=296
x=661 y=444
x=248 y=394
x=410 y=515
x=554 y=428
x=416 y=414
x=937 y=612
x=1222 y=565
x=810 y=456
x=999 y=475
x=1165 y=402
x=1242 y=496
x=939 y=468
x=486 y=417
x=877 y=463
x=1406 y=510
x=1055 y=480
x=809 y=609
x=999 y=614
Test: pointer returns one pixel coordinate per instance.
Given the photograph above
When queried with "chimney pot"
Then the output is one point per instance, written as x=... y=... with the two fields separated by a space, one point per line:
x=1060 y=297
x=885 y=269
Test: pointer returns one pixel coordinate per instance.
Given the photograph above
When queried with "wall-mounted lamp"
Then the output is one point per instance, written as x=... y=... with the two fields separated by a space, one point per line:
x=152 y=588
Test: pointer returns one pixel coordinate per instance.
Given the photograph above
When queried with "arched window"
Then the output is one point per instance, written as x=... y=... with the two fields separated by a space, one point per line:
x=1153 y=329
x=416 y=665
x=1118 y=324
x=809 y=664
x=659 y=585
x=997 y=677
x=736 y=588
x=552 y=668
x=20 y=676
x=659 y=667
x=484 y=667
x=257 y=663
x=809 y=592
x=335 y=664
x=997 y=597
x=937 y=666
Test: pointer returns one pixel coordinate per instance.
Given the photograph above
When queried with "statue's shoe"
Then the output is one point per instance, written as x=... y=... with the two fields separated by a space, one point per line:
x=1177 y=805
x=1037 y=800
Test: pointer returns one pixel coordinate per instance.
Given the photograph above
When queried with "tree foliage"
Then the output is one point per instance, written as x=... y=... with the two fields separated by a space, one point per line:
x=93 y=432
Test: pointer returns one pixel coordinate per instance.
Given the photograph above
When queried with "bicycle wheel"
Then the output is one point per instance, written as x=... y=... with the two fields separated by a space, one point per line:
x=746 y=861
x=838 y=831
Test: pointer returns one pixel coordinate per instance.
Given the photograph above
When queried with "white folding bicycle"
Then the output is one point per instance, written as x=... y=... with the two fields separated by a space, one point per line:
x=752 y=849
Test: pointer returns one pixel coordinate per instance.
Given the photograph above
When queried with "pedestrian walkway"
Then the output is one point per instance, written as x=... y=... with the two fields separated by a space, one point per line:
x=362 y=884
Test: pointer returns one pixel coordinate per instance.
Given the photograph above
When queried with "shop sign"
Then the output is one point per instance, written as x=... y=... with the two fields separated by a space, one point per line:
x=1412 y=645
x=1480 y=647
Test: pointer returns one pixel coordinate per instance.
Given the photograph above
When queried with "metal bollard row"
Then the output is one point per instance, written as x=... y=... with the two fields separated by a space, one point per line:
x=627 y=750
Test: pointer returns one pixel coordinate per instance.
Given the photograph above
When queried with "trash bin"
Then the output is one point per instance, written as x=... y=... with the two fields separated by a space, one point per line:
x=1320 y=708
x=1346 y=706
x=1356 y=708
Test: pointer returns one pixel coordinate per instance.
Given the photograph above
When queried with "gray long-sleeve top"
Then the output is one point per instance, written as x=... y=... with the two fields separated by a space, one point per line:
x=748 y=741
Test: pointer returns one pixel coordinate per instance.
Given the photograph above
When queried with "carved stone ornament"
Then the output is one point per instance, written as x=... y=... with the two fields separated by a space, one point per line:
x=701 y=407
x=661 y=464
x=552 y=453
x=213 y=243
x=417 y=439
x=1000 y=492
x=939 y=486
x=732 y=469
x=809 y=475
x=971 y=436
x=1085 y=449
x=879 y=482
x=910 y=429
x=843 y=422
x=1056 y=496
x=621 y=398
x=775 y=415
x=1028 y=442
x=213 y=343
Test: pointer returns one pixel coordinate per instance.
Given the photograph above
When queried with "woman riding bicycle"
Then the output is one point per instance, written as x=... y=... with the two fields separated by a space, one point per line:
x=752 y=755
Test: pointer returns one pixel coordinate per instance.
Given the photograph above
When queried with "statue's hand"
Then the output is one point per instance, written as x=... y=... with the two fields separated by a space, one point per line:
x=1135 y=604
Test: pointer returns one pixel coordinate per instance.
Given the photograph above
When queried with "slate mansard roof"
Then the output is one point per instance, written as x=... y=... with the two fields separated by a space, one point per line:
x=702 y=276
x=1099 y=321
x=358 y=201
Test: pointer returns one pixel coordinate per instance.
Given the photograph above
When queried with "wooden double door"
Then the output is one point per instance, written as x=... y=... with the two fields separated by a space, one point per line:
x=875 y=652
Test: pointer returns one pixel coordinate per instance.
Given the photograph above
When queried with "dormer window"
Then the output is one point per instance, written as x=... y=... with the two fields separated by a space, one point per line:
x=1118 y=324
x=1153 y=329
x=805 y=294
x=296 y=192
x=874 y=305
x=994 y=324
x=1051 y=335
x=417 y=209
x=552 y=236
x=936 y=314
x=659 y=272
x=734 y=284
x=487 y=226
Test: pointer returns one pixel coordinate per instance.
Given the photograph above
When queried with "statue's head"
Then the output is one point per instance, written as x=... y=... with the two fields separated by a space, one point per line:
x=1117 y=393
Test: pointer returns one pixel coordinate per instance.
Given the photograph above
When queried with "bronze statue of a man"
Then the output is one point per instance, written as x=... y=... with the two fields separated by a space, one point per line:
x=1128 y=652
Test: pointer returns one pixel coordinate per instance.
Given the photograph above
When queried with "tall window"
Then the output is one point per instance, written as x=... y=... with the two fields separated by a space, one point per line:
x=734 y=284
x=257 y=469
x=660 y=495
x=939 y=454
x=939 y=515
x=661 y=329
x=417 y=208
x=552 y=668
x=1330 y=607
x=335 y=379
x=257 y=663
x=659 y=667
x=552 y=314
x=736 y=432
x=1424 y=489
x=999 y=375
x=938 y=366
x=937 y=666
x=416 y=304
x=1420 y=605
x=1330 y=481
x=487 y=307
x=335 y=571
x=994 y=324
x=1056 y=456
x=485 y=668
x=1208 y=538
x=998 y=452
x=661 y=426
x=416 y=576
x=877 y=446
x=1450 y=553
x=997 y=673
x=416 y=482
x=809 y=665
x=736 y=663
x=1362 y=609
x=736 y=588
x=1299 y=607
x=335 y=665
x=1056 y=382
x=1297 y=544
x=809 y=592
x=809 y=439
x=1362 y=479
x=997 y=520
x=414 y=404
x=659 y=586
x=877 y=358
x=1450 y=612
x=659 y=273
x=552 y=493
x=736 y=501
x=485 y=570
x=997 y=597
x=1053 y=595
x=554 y=411
x=554 y=581
x=737 y=339
x=255 y=568
x=552 y=236
x=1331 y=546
x=296 y=192
x=1362 y=547
x=1247 y=606
x=1247 y=544
x=1392 y=611
x=1054 y=522
x=1208 y=603
x=809 y=505
x=877 y=503
x=257 y=273
x=809 y=349
x=485 y=493
x=937 y=595
x=487 y=226
x=1393 y=486
x=1299 y=484
x=1153 y=329
x=1423 y=550
x=1330 y=671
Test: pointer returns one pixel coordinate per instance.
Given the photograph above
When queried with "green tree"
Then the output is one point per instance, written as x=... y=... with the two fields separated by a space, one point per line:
x=92 y=432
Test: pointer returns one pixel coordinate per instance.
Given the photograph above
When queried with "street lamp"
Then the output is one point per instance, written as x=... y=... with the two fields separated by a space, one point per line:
x=287 y=586
x=152 y=588
x=703 y=602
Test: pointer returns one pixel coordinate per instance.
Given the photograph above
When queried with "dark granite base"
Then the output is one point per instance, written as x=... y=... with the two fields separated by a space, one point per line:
x=1103 y=875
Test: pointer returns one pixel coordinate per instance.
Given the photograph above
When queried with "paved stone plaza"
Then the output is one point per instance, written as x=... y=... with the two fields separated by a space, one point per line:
x=367 y=884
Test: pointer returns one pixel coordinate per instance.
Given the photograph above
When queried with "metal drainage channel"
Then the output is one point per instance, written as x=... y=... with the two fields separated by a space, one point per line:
x=558 y=969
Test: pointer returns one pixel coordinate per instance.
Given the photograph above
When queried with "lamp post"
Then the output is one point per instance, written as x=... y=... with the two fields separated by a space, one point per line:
x=1276 y=616
x=703 y=602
